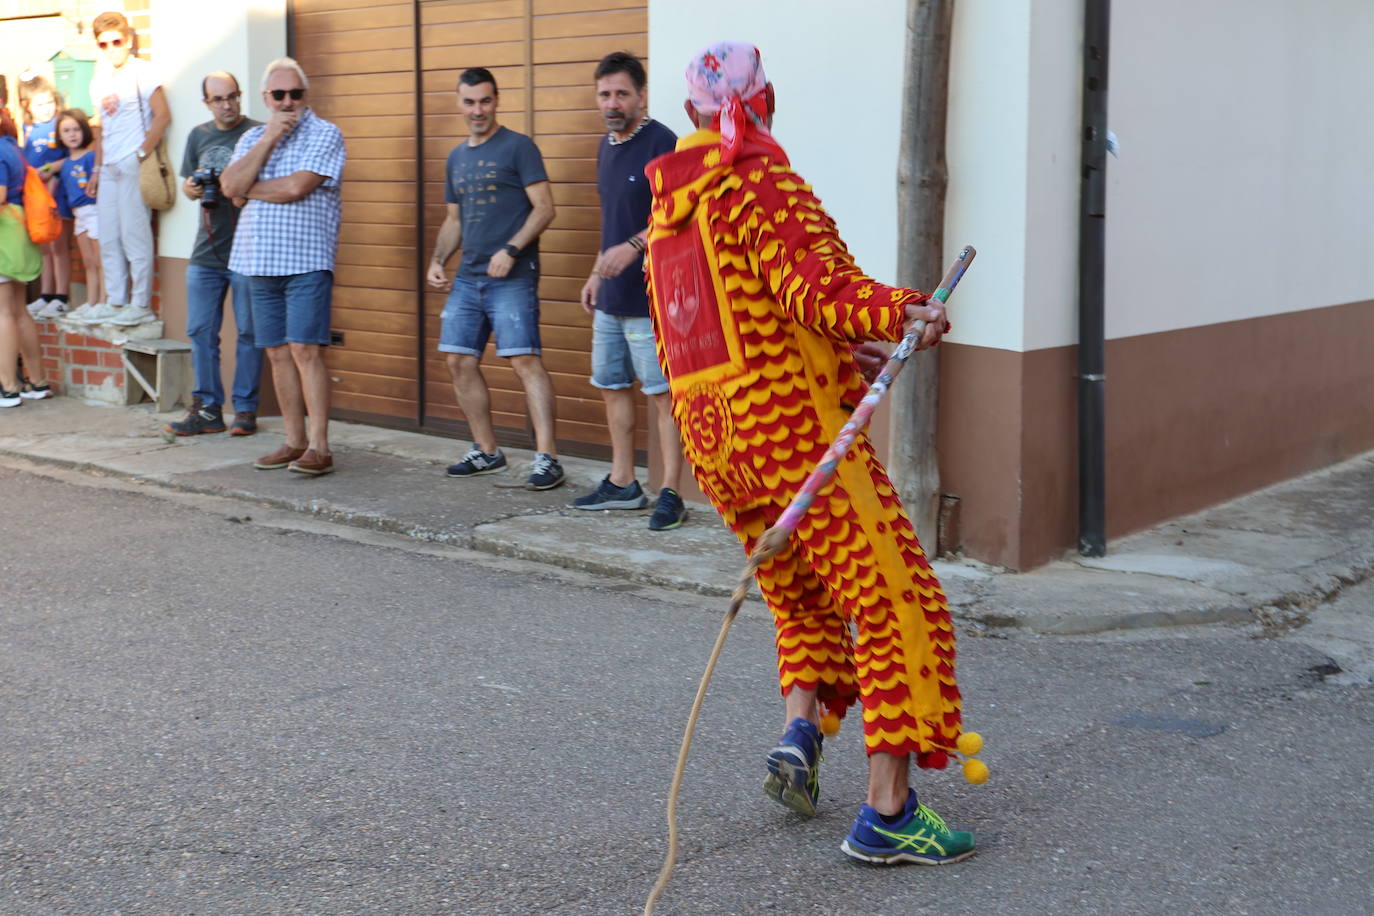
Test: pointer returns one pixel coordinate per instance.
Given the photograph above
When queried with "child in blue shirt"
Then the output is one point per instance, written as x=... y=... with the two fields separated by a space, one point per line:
x=39 y=101
x=74 y=131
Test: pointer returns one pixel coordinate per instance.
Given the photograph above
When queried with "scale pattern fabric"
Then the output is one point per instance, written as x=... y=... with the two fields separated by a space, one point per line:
x=757 y=305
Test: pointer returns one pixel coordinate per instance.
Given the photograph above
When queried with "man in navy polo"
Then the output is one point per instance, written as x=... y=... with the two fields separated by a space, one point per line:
x=614 y=295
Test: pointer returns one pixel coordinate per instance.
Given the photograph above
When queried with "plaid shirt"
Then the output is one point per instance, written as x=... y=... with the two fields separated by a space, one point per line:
x=279 y=240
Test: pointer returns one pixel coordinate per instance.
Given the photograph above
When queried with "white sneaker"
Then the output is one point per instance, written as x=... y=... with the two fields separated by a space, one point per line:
x=131 y=315
x=81 y=311
x=54 y=309
x=99 y=314
x=37 y=306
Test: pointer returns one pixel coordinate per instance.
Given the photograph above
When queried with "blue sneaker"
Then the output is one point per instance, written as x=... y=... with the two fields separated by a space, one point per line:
x=794 y=768
x=608 y=496
x=920 y=837
x=477 y=462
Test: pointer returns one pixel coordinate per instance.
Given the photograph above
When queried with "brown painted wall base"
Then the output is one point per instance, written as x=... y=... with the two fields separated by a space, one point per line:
x=1194 y=417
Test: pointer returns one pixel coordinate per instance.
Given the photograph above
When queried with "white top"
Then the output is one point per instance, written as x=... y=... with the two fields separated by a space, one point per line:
x=122 y=125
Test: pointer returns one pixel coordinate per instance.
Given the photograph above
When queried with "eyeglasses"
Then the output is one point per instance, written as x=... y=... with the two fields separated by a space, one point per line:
x=280 y=94
x=113 y=43
x=221 y=99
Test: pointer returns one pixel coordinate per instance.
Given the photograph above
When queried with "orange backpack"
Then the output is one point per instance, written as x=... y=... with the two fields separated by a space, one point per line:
x=40 y=210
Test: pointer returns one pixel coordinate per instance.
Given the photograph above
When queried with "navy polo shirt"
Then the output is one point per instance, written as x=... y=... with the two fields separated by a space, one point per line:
x=625 y=201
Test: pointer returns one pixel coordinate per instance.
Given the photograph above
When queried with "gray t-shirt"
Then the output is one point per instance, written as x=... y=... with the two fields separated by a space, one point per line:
x=209 y=147
x=488 y=183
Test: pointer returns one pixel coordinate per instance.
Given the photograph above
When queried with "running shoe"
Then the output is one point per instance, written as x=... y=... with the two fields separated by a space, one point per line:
x=478 y=462
x=545 y=472
x=608 y=496
x=28 y=389
x=11 y=398
x=132 y=315
x=669 y=513
x=198 y=420
x=101 y=313
x=919 y=836
x=55 y=309
x=245 y=423
x=794 y=768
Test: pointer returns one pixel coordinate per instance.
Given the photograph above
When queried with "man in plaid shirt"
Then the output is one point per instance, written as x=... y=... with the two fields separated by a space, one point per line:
x=286 y=175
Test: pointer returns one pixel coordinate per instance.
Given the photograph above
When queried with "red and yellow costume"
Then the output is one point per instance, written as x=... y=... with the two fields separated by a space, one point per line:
x=756 y=305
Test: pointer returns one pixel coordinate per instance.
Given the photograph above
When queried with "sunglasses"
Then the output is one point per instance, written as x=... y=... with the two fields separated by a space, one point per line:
x=116 y=43
x=221 y=99
x=280 y=94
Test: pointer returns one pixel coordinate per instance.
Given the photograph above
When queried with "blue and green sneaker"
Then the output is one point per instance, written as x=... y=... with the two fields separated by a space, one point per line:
x=794 y=768
x=919 y=836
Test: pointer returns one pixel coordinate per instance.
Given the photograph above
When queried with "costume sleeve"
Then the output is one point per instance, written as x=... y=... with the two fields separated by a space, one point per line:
x=798 y=252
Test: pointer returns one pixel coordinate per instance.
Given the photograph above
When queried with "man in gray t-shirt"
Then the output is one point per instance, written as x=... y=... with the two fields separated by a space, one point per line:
x=499 y=201
x=208 y=277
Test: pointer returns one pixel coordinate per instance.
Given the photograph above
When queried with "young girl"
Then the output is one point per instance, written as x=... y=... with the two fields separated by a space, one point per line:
x=74 y=202
x=39 y=102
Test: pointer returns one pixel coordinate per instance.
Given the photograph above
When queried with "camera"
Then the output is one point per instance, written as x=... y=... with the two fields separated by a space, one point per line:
x=207 y=179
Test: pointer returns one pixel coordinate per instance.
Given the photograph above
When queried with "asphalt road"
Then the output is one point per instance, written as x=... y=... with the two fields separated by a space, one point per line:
x=208 y=709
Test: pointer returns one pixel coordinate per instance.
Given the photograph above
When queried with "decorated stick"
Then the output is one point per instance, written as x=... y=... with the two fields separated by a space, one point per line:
x=775 y=538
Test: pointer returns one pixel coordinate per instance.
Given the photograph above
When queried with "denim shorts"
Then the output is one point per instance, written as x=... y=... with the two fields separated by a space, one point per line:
x=478 y=306
x=623 y=350
x=292 y=309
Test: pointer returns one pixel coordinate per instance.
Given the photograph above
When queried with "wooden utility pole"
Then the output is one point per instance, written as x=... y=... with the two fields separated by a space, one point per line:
x=921 y=180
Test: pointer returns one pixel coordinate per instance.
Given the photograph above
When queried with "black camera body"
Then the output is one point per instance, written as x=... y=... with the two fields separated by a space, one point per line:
x=207 y=179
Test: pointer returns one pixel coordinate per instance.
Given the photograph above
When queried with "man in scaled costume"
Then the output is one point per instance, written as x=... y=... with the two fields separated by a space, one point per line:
x=761 y=315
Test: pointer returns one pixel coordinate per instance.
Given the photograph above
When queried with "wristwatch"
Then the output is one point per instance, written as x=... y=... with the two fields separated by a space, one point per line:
x=511 y=250
x=140 y=154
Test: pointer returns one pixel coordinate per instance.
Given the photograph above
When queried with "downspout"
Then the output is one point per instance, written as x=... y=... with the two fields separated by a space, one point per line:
x=1092 y=497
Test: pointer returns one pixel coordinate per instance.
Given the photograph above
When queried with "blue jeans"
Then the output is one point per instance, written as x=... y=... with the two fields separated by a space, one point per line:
x=205 y=289
x=623 y=350
x=476 y=307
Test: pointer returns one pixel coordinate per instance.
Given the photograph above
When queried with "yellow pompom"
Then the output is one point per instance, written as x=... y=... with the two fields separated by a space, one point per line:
x=830 y=725
x=970 y=743
x=975 y=771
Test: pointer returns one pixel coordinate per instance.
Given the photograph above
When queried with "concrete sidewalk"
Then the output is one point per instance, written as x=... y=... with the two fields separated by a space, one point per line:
x=1268 y=558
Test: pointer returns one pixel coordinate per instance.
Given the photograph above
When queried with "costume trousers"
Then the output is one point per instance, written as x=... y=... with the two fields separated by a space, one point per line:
x=126 y=234
x=858 y=613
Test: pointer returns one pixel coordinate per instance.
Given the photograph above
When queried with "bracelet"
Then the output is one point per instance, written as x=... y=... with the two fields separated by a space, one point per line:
x=636 y=243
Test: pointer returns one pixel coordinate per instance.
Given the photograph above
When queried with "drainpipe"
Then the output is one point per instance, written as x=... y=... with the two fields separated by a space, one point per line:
x=1092 y=497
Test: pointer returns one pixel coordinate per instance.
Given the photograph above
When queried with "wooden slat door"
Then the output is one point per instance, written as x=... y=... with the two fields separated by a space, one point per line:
x=542 y=53
x=360 y=57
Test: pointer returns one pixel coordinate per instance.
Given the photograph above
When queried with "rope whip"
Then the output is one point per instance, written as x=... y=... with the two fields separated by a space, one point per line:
x=772 y=541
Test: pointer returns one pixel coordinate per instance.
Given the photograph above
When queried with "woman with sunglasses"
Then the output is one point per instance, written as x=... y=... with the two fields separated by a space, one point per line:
x=133 y=114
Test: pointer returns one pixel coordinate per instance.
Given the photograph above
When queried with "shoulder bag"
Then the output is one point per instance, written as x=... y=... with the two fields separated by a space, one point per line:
x=155 y=177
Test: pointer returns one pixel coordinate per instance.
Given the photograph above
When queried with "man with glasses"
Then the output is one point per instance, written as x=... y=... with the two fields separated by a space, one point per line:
x=208 y=277
x=287 y=174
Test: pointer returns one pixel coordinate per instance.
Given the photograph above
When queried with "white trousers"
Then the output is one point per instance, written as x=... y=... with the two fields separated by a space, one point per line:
x=126 y=234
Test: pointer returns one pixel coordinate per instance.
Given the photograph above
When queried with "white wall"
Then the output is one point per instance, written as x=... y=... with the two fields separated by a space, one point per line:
x=244 y=36
x=1012 y=138
x=1245 y=185
x=837 y=69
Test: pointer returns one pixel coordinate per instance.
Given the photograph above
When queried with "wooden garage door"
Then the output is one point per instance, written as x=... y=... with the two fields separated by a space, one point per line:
x=542 y=53
x=360 y=56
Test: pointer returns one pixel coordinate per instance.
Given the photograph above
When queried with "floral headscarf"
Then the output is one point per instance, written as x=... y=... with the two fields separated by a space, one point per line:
x=727 y=79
